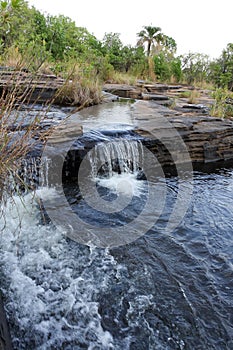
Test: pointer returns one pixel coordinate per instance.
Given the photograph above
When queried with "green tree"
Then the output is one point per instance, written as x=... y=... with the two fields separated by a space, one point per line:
x=151 y=36
x=169 y=44
x=195 y=67
x=221 y=70
x=112 y=49
x=15 y=19
x=167 y=67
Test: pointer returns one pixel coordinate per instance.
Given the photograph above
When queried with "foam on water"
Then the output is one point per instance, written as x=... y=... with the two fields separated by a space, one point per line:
x=51 y=284
x=125 y=183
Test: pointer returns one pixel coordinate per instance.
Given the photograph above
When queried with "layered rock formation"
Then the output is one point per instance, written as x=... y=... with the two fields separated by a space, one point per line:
x=206 y=139
x=27 y=87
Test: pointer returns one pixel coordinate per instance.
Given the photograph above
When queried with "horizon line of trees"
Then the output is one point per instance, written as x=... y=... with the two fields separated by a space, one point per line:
x=38 y=38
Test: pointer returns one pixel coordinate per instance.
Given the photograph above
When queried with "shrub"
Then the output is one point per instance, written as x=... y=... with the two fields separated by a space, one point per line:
x=223 y=104
x=167 y=67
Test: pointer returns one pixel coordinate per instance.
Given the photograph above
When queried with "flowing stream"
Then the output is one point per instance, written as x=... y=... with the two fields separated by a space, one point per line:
x=164 y=290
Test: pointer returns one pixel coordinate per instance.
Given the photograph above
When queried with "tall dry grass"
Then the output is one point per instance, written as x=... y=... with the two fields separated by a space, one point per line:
x=18 y=136
x=81 y=88
x=79 y=92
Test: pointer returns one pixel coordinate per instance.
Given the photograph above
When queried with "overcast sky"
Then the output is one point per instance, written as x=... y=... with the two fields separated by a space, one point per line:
x=203 y=26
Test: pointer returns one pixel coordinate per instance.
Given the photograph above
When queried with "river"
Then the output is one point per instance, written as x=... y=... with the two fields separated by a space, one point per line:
x=162 y=290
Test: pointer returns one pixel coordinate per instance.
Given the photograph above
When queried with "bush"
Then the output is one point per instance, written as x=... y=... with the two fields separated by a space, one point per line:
x=167 y=67
x=223 y=104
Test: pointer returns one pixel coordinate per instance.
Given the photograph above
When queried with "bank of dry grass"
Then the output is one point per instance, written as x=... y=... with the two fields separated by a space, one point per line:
x=79 y=92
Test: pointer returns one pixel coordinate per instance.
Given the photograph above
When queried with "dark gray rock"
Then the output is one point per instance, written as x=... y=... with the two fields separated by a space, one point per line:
x=5 y=340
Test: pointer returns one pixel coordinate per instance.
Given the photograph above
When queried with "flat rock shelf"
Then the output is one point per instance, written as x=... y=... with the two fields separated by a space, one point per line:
x=207 y=139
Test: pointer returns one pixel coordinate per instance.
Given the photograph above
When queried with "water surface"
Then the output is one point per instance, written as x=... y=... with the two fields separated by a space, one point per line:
x=160 y=292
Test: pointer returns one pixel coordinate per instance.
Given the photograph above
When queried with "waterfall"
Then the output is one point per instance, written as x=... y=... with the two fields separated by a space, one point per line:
x=118 y=156
x=30 y=171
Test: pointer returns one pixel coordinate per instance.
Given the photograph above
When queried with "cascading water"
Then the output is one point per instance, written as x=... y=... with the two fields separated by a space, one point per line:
x=116 y=165
x=120 y=156
x=32 y=170
x=52 y=285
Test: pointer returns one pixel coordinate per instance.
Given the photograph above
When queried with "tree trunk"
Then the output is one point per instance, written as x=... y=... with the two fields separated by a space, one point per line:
x=148 y=49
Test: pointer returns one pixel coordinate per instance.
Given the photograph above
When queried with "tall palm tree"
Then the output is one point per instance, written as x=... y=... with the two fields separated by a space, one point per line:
x=151 y=36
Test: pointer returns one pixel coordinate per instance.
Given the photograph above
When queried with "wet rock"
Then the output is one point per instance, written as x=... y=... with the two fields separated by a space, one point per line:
x=141 y=175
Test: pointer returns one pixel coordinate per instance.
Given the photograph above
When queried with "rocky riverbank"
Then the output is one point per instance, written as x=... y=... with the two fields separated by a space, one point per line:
x=29 y=88
x=208 y=139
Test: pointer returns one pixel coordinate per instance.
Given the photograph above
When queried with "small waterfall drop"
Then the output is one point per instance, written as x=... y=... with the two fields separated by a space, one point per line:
x=33 y=171
x=116 y=157
x=116 y=165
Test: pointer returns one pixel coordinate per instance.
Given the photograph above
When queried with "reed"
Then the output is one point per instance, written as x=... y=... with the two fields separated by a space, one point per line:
x=17 y=135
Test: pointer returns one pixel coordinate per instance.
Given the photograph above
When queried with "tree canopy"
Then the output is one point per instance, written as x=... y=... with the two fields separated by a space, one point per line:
x=57 y=40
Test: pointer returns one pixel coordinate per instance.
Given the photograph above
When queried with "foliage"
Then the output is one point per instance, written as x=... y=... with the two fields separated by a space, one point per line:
x=195 y=67
x=222 y=69
x=29 y=38
x=167 y=67
x=152 y=36
x=223 y=104
x=122 y=58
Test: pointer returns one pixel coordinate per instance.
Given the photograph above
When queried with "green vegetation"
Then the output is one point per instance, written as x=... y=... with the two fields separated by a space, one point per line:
x=221 y=70
x=36 y=42
x=223 y=105
x=55 y=44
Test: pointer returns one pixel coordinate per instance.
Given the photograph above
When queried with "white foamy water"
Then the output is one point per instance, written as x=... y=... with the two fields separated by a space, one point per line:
x=123 y=184
x=51 y=283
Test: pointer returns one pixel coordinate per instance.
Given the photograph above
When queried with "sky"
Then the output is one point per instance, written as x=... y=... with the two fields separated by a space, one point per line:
x=203 y=26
